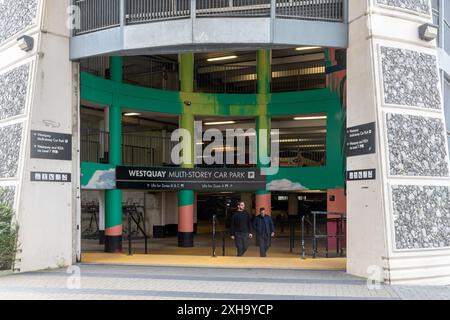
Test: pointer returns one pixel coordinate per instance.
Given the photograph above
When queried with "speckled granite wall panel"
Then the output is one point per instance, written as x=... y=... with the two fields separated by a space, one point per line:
x=13 y=91
x=410 y=78
x=421 y=216
x=7 y=194
x=16 y=15
x=419 y=6
x=10 y=141
x=417 y=146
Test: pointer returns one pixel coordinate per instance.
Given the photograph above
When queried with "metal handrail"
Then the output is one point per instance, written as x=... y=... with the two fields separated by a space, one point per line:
x=131 y=219
x=214 y=235
x=136 y=149
x=339 y=236
x=96 y=15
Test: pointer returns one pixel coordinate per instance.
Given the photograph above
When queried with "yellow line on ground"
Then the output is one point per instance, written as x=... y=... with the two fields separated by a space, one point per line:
x=218 y=262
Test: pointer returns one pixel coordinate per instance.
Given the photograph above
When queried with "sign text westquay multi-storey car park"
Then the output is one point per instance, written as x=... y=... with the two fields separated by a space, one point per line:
x=238 y=179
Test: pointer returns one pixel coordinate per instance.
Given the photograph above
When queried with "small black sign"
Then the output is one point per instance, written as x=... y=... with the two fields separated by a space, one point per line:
x=51 y=145
x=361 y=140
x=50 y=177
x=359 y=175
x=206 y=179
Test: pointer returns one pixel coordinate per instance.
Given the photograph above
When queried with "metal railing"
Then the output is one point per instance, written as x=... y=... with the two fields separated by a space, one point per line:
x=96 y=15
x=226 y=78
x=139 y=11
x=136 y=150
x=151 y=72
x=327 y=10
x=232 y=78
x=101 y=14
x=299 y=76
x=138 y=218
x=215 y=233
x=339 y=236
x=302 y=150
x=143 y=150
x=97 y=66
x=233 y=8
x=94 y=146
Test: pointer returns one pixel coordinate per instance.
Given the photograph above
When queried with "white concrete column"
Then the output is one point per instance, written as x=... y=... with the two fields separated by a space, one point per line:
x=398 y=225
x=40 y=86
x=101 y=209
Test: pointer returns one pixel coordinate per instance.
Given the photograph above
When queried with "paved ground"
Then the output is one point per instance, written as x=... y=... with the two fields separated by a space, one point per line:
x=139 y=282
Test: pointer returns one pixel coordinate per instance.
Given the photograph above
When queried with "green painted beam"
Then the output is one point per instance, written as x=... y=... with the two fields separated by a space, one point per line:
x=186 y=72
x=264 y=71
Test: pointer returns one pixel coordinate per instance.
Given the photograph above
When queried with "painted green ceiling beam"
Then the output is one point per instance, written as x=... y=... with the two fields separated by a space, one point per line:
x=106 y=92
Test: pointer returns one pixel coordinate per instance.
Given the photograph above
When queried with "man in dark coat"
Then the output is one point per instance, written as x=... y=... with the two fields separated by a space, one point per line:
x=241 y=229
x=265 y=231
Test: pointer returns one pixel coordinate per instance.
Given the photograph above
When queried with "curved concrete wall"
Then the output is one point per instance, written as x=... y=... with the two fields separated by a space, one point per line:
x=201 y=34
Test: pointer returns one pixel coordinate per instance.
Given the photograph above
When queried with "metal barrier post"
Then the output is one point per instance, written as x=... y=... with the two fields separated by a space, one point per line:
x=339 y=219
x=193 y=9
x=291 y=235
x=223 y=243
x=303 y=238
x=129 y=232
x=214 y=237
x=146 y=246
x=122 y=11
x=273 y=9
x=314 y=236
x=342 y=235
x=326 y=238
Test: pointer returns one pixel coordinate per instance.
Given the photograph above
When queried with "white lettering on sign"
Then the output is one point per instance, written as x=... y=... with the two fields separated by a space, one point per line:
x=147 y=174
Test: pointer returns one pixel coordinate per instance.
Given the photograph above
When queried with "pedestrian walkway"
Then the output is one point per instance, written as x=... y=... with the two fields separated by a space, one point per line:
x=292 y=262
x=98 y=282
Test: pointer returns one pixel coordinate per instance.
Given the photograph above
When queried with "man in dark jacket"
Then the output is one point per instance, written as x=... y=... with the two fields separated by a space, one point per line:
x=265 y=231
x=241 y=229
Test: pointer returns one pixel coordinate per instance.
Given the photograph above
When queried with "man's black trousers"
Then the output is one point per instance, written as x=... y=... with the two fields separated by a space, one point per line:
x=241 y=241
x=264 y=242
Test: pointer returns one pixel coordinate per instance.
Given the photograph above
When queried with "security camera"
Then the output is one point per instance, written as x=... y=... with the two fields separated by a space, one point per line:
x=428 y=32
x=25 y=43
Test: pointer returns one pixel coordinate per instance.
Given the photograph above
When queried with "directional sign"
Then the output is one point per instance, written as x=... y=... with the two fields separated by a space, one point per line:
x=361 y=140
x=51 y=145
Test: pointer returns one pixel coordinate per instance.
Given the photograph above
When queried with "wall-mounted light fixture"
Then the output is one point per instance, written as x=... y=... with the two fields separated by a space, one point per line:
x=25 y=43
x=307 y=48
x=219 y=123
x=310 y=118
x=221 y=58
x=132 y=114
x=428 y=32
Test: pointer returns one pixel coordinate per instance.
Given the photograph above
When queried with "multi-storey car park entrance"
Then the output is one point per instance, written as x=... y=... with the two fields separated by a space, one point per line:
x=313 y=69
x=298 y=91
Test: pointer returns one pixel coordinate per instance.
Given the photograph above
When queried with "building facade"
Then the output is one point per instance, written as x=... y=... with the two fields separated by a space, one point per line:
x=357 y=89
